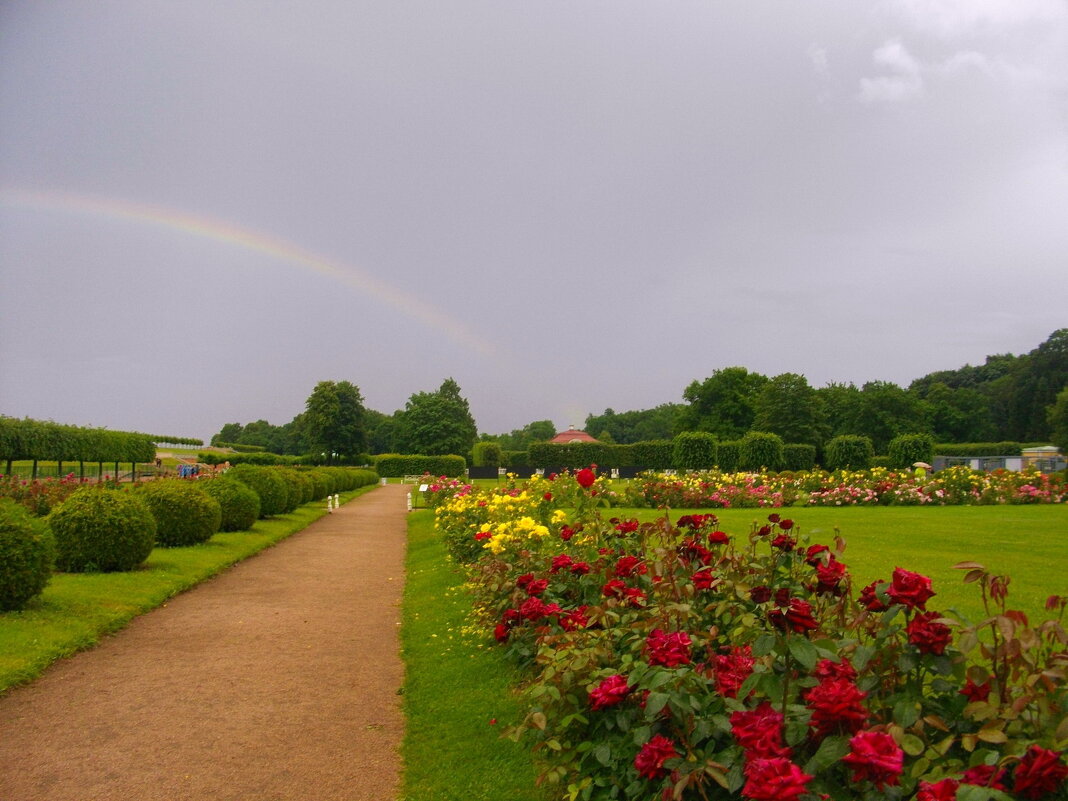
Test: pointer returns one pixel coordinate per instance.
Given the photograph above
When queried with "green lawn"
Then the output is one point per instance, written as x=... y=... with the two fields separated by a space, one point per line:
x=1027 y=543
x=76 y=610
x=457 y=691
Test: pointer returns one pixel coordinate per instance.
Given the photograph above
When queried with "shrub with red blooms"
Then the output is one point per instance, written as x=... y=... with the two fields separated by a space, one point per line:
x=650 y=760
x=753 y=671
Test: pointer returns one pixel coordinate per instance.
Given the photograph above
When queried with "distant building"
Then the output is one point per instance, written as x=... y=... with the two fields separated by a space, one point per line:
x=571 y=435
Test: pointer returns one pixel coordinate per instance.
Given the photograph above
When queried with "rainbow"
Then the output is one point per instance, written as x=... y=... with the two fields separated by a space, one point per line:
x=249 y=239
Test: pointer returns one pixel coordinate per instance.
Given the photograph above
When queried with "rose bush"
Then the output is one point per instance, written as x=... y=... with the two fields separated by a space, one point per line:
x=670 y=660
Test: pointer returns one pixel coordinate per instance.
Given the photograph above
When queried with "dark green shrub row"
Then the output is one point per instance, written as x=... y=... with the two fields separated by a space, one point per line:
x=394 y=465
x=241 y=448
x=654 y=454
x=27 y=553
x=576 y=455
x=730 y=455
x=906 y=449
x=47 y=441
x=261 y=458
x=162 y=440
x=978 y=449
x=487 y=454
x=799 y=456
x=694 y=450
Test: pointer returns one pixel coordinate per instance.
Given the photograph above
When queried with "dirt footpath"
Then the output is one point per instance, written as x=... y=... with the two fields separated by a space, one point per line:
x=275 y=681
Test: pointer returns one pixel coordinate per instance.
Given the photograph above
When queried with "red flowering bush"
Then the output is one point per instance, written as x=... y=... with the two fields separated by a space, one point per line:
x=674 y=661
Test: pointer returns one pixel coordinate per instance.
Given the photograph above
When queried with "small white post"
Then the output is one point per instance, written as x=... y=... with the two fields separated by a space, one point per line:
x=409 y=501
x=337 y=501
x=329 y=504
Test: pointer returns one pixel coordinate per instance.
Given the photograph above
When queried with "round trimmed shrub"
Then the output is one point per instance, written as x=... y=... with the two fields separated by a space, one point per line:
x=905 y=449
x=184 y=513
x=265 y=481
x=295 y=488
x=322 y=484
x=27 y=552
x=761 y=450
x=849 y=451
x=239 y=503
x=102 y=530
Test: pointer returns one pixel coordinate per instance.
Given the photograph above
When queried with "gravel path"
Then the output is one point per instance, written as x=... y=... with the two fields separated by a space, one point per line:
x=275 y=681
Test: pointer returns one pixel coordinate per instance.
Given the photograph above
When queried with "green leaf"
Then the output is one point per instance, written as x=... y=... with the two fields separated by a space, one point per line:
x=764 y=644
x=603 y=754
x=912 y=745
x=803 y=651
x=906 y=713
x=654 y=703
x=830 y=751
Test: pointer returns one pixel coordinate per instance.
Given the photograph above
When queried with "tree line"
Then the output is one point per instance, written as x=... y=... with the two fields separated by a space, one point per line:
x=1008 y=398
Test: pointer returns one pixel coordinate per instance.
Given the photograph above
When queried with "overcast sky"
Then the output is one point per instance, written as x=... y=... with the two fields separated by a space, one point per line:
x=207 y=207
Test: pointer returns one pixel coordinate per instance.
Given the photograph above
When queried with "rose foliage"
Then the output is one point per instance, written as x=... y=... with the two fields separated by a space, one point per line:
x=671 y=660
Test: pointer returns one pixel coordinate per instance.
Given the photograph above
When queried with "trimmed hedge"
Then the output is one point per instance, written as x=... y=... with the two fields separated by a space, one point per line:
x=693 y=450
x=265 y=482
x=729 y=455
x=47 y=441
x=102 y=530
x=799 y=456
x=905 y=449
x=761 y=450
x=978 y=449
x=653 y=454
x=487 y=454
x=238 y=502
x=395 y=465
x=848 y=451
x=27 y=552
x=184 y=513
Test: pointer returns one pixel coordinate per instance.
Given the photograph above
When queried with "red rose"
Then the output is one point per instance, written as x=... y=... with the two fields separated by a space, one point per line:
x=580 y=568
x=760 y=595
x=927 y=634
x=669 y=650
x=945 y=790
x=784 y=543
x=909 y=589
x=575 y=619
x=634 y=596
x=985 y=776
x=776 y=779
x=760 y=732
x=561 y=562
x=826 y=669
x=1040 y=772
x=628 y=566
x=718 y=538
x=693 y=551
x=566 y=533
x=524 y=580
x=533 y=608
x=650 y=760
x=774 y=517
x=609 y=692
x=732 y=670
x=813 y=554
x=797 y=618
x=836 y=707
x=975 y=692
x=511 y=617
x=875 y=757
x=548 y=496
x=870 y=600
x=614 y=588
x=786 y=524
x=829 y=577
x=537 y=586
x=585 y=478
x=483 y=535
x=501 y=632
x=704 y=579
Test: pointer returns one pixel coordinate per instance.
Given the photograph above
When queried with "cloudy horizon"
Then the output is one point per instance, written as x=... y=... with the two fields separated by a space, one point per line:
x=205 y=209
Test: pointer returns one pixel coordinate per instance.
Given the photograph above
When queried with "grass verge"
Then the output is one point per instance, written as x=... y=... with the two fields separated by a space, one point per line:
x=457 y=685
x=76 y=610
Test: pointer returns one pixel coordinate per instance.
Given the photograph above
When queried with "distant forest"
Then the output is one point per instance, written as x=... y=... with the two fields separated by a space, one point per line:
x=1005 y=398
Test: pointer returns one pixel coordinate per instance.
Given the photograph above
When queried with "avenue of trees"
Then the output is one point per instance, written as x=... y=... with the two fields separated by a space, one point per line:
x=1007 y=398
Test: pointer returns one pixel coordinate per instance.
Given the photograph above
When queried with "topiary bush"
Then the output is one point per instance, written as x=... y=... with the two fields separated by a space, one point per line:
x=653 y=454
x=728 y=455
x=906 y=449
x=294 y=490
x=102 y=530
x=265 y=481
x=693 y=450
x=322 y=484
x=238 y=502
x=799 y=456
x=761 y=450
x=848 y=451
x=184 y=513
x=27 y=553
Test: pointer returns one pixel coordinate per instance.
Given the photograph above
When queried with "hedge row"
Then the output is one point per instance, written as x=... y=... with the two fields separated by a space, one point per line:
x=46 y=441
x=979 y=449
x=395 y=465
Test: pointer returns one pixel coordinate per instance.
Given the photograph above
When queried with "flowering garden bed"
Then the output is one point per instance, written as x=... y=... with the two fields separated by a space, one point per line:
x=673 y=660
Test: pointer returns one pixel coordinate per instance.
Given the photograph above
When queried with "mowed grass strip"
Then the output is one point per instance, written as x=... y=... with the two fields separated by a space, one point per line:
x=76 y=610
x=457 y=684
x=1027 y=543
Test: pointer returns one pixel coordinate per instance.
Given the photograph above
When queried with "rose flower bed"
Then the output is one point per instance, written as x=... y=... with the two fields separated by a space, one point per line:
x=671 y=660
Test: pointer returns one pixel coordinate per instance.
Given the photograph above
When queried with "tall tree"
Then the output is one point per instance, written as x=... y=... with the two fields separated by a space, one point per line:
x=789 y=407
x=334 y=420
x=887 y=410
x=435 y=423
x=723 y=404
